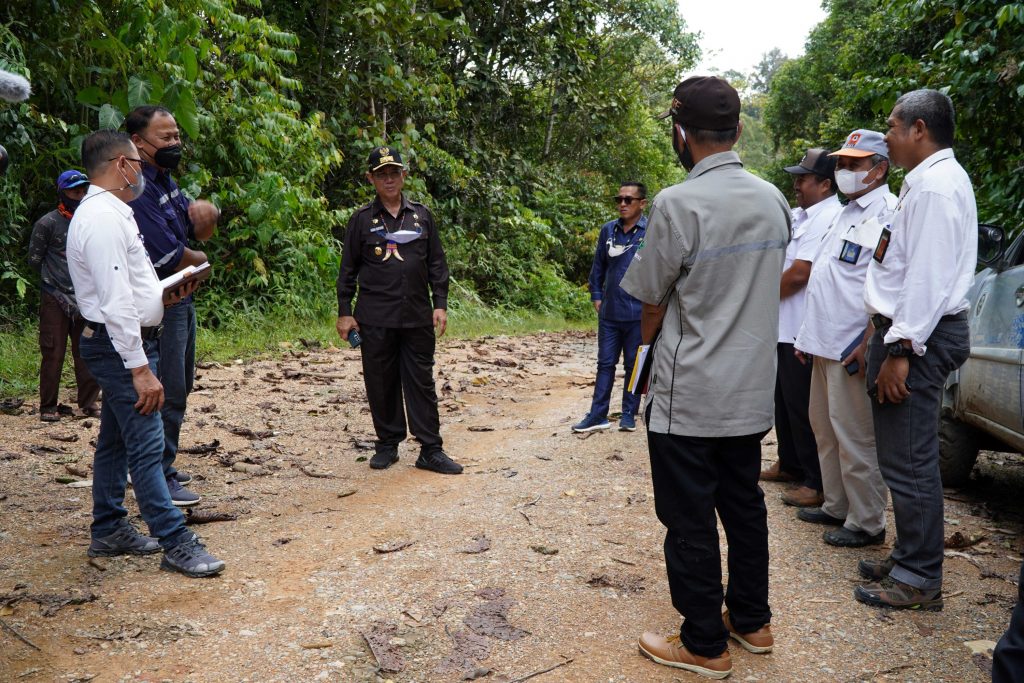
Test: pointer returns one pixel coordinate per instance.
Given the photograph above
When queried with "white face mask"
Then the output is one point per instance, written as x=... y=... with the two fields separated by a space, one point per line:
x=851 y=182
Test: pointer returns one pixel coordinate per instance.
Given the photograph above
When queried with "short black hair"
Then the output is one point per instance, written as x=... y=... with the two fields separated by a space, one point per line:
x=932 y=107
x=138 y=119
x=641 y=189
x=102 y=146
x=712 y=137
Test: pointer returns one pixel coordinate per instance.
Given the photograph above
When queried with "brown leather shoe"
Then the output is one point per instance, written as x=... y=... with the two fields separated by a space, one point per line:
x=671 y=652
x=803 y=497
x=895 y=594
x=776 y=473
x=759 y=642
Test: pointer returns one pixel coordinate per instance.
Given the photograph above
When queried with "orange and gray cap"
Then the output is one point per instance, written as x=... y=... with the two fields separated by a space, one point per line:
x=863 y=143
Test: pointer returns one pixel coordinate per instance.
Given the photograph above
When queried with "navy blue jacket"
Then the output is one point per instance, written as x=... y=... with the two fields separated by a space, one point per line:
x=607 y=271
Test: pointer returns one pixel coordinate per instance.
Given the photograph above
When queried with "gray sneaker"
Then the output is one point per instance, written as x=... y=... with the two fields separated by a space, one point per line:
x=191 y=559
x=180 y=495
x=125 y=541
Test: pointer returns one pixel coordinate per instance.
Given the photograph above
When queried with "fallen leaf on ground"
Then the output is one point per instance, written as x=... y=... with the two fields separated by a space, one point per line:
x=346 y=493
x=959 y=539
x=194 y=516
x=392 y=546
x=980 y=647
x=478 y=428
x=317 y=645
x=629 y=583
x=378 y=637
x=480 y=544
x=203 y=448
x=544 y=550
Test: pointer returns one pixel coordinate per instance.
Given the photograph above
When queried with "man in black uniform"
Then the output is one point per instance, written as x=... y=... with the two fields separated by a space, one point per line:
x=393 y=252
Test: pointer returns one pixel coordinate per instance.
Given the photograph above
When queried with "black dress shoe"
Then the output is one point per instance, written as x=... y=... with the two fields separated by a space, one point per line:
x=438 y=461
x=847 y=538
x=818 y=516
x=384 y=458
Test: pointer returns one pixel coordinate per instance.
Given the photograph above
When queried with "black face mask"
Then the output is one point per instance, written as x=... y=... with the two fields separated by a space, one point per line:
x=168 y=157
x=69 y=204
x=682 y=149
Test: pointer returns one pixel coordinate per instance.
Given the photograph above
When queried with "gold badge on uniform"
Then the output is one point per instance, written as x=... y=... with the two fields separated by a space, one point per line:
x=375 y=221
x=377 y=251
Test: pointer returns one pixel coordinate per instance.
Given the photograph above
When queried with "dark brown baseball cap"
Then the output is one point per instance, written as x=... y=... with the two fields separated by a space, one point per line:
x=706 y=102
x=384 y=156
x=816 y=161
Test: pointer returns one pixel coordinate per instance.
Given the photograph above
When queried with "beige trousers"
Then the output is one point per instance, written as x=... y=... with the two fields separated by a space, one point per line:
x=840 y=414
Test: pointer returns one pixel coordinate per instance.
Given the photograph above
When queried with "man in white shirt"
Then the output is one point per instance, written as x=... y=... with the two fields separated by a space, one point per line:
x=915 y=291
x=122 y=302
x=833 y=338
x=817 y=206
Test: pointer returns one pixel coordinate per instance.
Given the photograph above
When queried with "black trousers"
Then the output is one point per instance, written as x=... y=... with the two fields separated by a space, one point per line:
x=1008 y=659
x=694 y=478
x=798 y=451
x=397 y=361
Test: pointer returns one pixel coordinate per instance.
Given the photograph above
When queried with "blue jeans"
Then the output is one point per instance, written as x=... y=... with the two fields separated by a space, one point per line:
x=615 y=338
x=128 y=441
x=177 y=374
x=907 y=440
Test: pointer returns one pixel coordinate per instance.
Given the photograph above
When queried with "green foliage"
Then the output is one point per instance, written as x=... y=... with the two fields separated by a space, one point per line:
x=518 y=121
x=867 y=52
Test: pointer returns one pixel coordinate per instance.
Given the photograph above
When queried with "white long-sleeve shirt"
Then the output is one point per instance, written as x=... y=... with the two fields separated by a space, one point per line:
x=928 y=266
x=115 y=283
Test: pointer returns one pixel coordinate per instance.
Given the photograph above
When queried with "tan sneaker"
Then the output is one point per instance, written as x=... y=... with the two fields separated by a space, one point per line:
x=670 y=651
x=759 y=642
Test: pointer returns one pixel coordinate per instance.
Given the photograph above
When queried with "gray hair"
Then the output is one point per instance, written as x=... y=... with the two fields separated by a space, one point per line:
x=932 y=107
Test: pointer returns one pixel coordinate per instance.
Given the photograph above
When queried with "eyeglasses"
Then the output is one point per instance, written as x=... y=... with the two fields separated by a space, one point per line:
x=386 y=175
x=627 y=200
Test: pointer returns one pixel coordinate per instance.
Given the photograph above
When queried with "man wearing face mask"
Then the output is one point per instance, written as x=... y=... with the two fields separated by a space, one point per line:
x=708 y=276
x=59 y=317
x=122 y=301
x=834 y=333
x=817 y=206
x=169 y=221
x=618 y=313
x=393 y=256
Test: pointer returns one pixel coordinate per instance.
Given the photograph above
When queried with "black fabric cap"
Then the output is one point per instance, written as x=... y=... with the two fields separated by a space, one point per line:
x=706 y=102
x=384 y=156
x=816 y=161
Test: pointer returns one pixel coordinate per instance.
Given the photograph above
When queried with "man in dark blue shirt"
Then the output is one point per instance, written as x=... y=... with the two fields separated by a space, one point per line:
x=618 y=313
x=168 y=220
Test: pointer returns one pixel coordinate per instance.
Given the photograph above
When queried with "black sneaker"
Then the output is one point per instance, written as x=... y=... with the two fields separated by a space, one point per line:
x=850 y=538
x=818 y=516
x=125 y=541
x=438 y=461
x=384 y=458
x=180 y=495
x=875 y=570
x=191 y=559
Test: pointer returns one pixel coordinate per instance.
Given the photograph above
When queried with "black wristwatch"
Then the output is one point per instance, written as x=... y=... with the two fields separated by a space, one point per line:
x=898 y=350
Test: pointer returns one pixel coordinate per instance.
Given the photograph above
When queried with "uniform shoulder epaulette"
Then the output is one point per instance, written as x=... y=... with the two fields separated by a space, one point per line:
x=364 y=207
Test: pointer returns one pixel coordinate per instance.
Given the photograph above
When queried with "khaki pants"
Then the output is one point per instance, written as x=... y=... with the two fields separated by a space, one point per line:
x=840 y=414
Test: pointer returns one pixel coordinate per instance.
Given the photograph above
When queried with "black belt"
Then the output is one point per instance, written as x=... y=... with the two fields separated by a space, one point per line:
x=878 y=321
x=147 y=333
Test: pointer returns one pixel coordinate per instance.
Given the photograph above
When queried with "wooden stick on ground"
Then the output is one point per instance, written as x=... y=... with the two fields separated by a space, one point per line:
x=17 y=633
x=541 y=671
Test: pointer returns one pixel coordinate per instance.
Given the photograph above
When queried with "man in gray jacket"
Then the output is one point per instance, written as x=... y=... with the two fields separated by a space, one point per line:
x=708 y=276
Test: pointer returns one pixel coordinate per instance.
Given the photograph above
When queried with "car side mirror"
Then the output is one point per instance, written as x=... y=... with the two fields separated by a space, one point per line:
x=991 y=244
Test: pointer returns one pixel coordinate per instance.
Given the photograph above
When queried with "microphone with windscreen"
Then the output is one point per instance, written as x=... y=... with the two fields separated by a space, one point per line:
x=13 y=88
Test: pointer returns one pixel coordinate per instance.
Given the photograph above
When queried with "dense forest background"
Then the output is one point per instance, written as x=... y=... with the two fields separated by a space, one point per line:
x=518 y=118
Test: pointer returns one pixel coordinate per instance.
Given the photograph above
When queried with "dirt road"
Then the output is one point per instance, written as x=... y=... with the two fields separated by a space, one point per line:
x=572 y=568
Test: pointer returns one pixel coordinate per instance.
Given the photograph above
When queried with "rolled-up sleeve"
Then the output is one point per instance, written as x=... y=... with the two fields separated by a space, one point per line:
x=658 y=261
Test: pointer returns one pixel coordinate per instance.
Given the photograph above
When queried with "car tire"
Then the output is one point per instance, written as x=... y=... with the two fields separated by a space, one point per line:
x=958 y=451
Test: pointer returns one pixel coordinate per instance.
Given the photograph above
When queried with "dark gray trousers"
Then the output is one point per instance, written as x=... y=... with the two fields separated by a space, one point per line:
x=907 y=440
